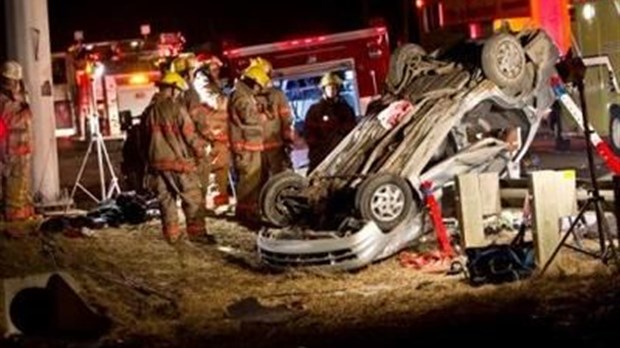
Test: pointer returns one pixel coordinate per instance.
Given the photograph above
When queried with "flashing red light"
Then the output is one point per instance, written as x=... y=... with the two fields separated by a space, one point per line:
x=230 y=53
x=419 y=3
x=381 y=30
x=441 y=14
x=475 y=30
x=321 y=38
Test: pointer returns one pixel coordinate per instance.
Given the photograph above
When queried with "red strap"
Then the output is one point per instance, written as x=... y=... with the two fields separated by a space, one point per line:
x=435 y=214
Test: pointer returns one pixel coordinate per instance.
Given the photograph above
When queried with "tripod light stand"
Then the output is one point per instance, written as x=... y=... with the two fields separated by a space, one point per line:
x=96 y=141
x=574 y=71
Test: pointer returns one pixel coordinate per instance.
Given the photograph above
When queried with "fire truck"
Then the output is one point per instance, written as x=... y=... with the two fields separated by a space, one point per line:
x=588 y=27
x=360 y=57
x=117 y=90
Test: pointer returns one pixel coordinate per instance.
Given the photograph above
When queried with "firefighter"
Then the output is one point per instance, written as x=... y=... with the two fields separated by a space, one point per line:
x=216 y=101
x=187 y=68
x=328 y=121
x=172 y=148
x=278 y=128
x=246 y=135
x=15 y=147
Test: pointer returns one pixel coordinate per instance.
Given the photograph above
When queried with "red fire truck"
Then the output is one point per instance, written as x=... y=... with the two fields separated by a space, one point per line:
x=361 y=57
x=121 y=87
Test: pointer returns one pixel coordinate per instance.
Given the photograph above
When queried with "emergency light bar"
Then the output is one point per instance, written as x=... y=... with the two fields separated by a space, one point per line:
x=292 y=44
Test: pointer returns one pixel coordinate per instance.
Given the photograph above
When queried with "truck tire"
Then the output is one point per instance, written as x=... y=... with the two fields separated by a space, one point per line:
x=614 y=127
x=273 y=207
x=503 y=61
x=384 y=198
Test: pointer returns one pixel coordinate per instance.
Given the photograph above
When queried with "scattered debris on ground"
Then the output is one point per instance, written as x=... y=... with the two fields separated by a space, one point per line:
x=160 y=296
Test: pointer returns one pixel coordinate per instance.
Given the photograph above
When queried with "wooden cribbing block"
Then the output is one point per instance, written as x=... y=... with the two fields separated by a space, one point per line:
x=547 y=192
x=489 y=193
x=469 y=210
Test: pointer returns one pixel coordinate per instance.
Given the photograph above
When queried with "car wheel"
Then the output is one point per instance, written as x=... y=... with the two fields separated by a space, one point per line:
x=274 y=207
x=400 y=71
x=503 y=61
x=614 y=127
x=385 y=199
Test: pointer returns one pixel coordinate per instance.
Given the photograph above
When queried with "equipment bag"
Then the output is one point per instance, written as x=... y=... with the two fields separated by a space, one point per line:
x=496 y=264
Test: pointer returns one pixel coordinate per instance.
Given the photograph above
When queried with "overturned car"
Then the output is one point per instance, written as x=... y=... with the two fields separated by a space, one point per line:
x=473 y=107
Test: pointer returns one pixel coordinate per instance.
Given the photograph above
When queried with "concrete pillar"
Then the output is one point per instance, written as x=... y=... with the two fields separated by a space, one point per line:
x=28 y=42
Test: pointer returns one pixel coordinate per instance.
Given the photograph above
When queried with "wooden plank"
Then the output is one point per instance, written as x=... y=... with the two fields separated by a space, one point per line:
x=469 y=209
x=489 y=193
x=567 y=205
x=546 y=189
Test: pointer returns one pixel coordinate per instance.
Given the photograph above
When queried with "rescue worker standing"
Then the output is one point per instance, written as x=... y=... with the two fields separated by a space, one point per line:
x=217 y=103
x=278 y=128
x=328 y=121
x=246 y=135
x=187 y=68
x=15 y=146
x=172 y=148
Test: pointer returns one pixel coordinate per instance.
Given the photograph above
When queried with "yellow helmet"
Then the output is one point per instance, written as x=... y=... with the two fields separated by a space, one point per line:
x=262 y=63
x=175 y=80
x=330 y=79
x=257 y=74
x=184 y=63
x=12 y=70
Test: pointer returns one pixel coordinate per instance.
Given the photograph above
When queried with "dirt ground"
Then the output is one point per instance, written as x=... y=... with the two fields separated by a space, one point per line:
x=189 y=289
x=160 y=296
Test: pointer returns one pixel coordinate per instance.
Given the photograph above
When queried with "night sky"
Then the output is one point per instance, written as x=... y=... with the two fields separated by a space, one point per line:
x=236 y=22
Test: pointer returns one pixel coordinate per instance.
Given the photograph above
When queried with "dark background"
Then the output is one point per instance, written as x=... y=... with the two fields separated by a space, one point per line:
x=227 y=21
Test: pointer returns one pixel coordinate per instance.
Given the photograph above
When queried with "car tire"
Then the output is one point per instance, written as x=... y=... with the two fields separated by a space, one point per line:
x=399 y=71
x=384 y=198
x=503 y=61
x=614 y=127
x=272 y=207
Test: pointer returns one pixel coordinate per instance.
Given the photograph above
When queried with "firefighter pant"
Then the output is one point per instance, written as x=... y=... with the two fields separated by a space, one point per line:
x=170 y=186
x=248 y=167
x=16 y=196
x=275 y=161
x=203 y=171
x=221 y=166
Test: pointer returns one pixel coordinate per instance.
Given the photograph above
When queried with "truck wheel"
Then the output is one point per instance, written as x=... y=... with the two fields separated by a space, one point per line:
x=503 y=61
x=400 y=71
x=273 y=198
x=614 y=127
x=384 y=198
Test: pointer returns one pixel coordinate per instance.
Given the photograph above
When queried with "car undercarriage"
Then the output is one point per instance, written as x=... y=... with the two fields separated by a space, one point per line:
x=471 y=108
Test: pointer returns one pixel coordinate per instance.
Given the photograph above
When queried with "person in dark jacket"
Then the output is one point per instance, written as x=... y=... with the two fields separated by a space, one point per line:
x=328 y=121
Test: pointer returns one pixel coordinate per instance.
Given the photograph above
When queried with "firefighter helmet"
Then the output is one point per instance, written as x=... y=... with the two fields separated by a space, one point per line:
x=184 y=63
x=257 y=74
x=12 y=70
x=175 y=80
x=330 y=79
x=262 y=63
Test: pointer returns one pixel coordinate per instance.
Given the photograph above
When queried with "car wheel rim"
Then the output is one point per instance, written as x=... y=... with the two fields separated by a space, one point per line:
x=615 y=132
x=281 y=205
x=387 y=203
x=509 y=59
